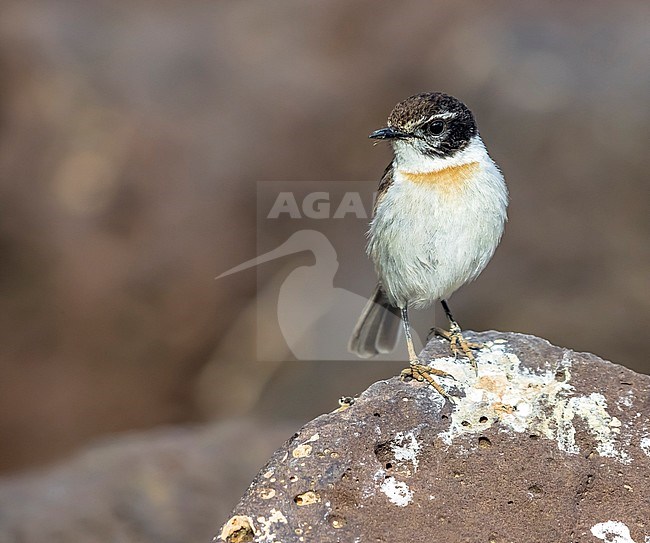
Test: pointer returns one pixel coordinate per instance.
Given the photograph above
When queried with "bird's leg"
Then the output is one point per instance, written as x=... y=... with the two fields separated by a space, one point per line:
x=418 y=371
x=457 y=342
x=413 y=357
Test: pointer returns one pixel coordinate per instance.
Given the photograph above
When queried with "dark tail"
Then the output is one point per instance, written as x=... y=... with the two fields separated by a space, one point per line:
x=377 y=329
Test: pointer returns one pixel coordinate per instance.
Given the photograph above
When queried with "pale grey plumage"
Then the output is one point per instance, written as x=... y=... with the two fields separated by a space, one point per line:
x=439 y=216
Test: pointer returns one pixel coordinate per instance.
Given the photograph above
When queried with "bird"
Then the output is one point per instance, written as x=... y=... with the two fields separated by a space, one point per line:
x=438 y=217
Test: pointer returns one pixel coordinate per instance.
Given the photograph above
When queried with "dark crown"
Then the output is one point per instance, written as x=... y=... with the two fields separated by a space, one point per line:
x=413 y=115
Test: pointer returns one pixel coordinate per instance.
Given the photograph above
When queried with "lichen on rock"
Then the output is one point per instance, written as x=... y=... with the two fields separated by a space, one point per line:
x=542 y=402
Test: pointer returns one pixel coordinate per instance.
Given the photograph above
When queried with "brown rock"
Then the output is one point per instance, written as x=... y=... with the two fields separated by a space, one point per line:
x=544 y=445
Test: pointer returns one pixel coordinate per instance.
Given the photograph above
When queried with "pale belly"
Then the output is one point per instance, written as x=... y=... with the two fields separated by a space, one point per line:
x=426 y=243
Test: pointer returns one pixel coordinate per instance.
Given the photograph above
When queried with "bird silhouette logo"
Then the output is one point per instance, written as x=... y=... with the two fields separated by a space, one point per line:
x=314 y=316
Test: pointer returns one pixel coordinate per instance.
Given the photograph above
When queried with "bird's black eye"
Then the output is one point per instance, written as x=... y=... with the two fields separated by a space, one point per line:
x=436 y=128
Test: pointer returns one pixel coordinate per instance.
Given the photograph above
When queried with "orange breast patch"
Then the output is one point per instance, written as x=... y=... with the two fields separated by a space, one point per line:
x=449 y=179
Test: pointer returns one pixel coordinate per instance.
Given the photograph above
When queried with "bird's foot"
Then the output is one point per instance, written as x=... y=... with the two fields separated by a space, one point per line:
x=458 y=344
x=422 y=373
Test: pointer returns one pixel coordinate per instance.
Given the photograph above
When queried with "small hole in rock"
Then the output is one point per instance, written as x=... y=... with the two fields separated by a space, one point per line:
x=465 y=423
x=483 y=419
x=560 y=375
x=389 y=465
x=533 y=436
x=510 y=502
x=444 y=417
x=484 y=442
x=535 y=490
x=384 y=452
x=298 y=500
x=376 y=415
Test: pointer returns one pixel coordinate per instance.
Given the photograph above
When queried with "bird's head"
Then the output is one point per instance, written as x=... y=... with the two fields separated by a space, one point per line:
x=432 y=124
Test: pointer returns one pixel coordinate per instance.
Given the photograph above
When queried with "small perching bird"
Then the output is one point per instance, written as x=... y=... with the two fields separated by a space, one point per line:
x=438 y=218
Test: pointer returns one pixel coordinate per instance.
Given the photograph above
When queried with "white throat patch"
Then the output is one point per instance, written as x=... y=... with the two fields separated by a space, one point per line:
x=410 y=159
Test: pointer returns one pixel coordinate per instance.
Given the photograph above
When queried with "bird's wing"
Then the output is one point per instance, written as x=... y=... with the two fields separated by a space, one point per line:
x=385 y=183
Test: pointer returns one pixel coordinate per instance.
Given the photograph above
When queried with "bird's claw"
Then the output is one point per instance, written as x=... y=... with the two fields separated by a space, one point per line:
x=458 y=344
x=422 y=373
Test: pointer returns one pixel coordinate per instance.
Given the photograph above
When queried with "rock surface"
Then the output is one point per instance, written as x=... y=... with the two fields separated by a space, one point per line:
x=544 y=445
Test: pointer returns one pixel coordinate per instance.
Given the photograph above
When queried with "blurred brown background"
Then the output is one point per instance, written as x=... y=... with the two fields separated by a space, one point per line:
x=132 y=135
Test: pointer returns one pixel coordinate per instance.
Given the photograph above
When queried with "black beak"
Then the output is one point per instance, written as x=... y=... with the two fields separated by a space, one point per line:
x=387 y=134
